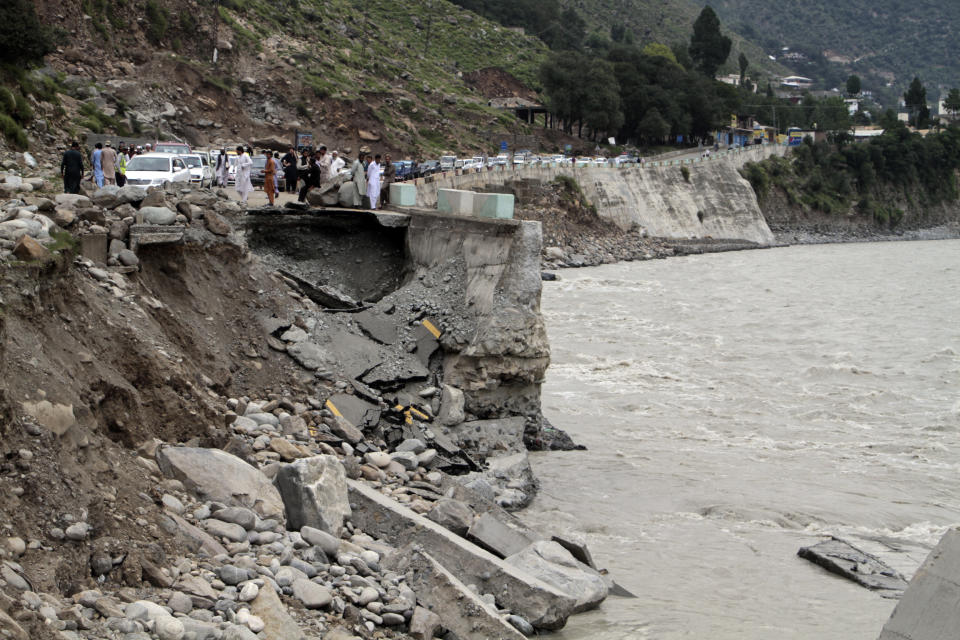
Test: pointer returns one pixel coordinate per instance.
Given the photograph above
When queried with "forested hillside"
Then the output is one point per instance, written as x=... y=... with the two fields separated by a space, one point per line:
x=878 y=36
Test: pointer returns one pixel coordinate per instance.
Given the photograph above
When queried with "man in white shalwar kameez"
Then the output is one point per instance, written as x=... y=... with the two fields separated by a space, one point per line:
x=244 y=165
x=373 y=182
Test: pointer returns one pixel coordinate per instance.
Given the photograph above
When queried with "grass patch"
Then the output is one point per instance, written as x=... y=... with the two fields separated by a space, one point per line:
x=98 y=122
x=13 y=132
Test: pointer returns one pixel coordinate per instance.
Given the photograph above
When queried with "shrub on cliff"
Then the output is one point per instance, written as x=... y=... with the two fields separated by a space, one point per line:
x=23 y=40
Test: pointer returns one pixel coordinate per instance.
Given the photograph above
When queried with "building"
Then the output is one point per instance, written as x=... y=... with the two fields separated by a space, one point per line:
x=796 y=82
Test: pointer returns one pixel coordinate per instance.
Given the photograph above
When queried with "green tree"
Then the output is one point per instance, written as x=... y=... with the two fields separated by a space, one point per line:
x=653 y=128
x=916 y=101
x=952 y=102
x=709 y=48
x=853 y=85
x=23 y=40
x=744 y=63
x=655 y=49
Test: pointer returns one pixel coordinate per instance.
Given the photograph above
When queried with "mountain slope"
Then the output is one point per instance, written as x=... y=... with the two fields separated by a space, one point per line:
x=881 y=37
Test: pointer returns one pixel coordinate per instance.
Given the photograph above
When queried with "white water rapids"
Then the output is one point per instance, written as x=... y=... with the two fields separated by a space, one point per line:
x=739 y=406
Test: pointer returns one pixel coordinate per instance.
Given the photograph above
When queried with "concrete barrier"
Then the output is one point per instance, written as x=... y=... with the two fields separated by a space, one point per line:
x=403 y=195
x=456 y=202
x=930 y=607
x=493 y=205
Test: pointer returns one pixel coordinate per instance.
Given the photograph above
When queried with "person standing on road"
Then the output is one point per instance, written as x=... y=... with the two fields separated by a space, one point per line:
x=223 y=168
x=323 y=161
x=389 y=174
x=121 y=173
x=373 y=181
x=244 y=165
x=311 y=180
x=71 y=168
x=289 y=163
x=269 y=175
x=336 y=164
x=108 y=163
x=97 y=166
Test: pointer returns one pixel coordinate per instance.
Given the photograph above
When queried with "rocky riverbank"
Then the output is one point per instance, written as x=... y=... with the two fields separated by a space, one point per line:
x=276 y=426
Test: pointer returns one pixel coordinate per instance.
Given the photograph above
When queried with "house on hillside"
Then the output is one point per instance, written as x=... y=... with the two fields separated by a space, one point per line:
x=796 y=82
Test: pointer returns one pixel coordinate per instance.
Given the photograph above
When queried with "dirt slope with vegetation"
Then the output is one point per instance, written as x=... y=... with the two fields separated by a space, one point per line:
x=382 y=74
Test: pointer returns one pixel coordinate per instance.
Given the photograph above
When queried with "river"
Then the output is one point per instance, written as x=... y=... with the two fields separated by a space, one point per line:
x=739 y=406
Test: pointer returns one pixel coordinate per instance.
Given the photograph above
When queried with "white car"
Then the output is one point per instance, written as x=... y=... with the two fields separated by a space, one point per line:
x=503 y=159
x=152 y=169
x=200 y=172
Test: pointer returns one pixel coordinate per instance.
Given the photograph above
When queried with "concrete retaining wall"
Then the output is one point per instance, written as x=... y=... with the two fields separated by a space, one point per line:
x=716 y=202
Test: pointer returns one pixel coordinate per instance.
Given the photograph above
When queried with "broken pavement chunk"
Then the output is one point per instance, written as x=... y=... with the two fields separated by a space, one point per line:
x=841 y=557
x=375 y=325
x=554 y=565
x=497 y=537
x=309 y=355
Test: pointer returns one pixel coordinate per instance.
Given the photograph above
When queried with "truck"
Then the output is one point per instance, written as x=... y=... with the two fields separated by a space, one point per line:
x=448 y=163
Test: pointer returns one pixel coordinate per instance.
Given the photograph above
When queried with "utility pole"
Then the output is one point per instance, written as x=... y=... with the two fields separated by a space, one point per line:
x=216 y=23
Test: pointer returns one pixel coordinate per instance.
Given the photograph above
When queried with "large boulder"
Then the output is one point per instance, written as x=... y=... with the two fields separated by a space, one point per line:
x=131 y=194
x=158 y=215
x=556 y=566
x=106 y=196
x=73 y=201
x=277 y=623
x=314 y=492
x=213 y=474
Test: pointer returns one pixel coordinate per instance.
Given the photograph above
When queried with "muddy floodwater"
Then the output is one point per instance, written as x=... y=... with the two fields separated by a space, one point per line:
x=740 y=406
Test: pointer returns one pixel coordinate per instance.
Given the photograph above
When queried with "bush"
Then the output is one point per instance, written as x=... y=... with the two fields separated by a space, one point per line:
x=12 y=132
x=757 y=177
x=157 y=22
x=8 y=104
x=22 y=112
x=23 y=40
x=685 y=172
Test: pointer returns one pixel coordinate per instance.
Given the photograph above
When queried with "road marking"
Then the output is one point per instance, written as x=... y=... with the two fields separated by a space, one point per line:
x=333 y=409
x=432 y=329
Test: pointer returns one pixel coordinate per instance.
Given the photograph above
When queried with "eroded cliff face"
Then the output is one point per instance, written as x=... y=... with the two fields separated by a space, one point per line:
x=501 y=360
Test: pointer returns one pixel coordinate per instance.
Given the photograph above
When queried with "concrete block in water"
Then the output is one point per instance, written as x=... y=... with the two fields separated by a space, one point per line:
x=497 y=537
x=930 y=607
x=455 y=202
x=403 y=195
x=542 y=604
x=462 y=611
x=493 y=205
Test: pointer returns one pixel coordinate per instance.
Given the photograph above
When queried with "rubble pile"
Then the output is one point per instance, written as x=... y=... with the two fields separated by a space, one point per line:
x=367 y=493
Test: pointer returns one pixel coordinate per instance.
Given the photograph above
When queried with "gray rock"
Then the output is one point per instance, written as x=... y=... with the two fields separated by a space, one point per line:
x=454 y=515
x=180 y=602
x=77 y=531
x=327 y=543
x=168 y=628
x=128 y=258
x=311 y=594
x=204 y=472
x=553 y=564
x=228 y=530
x=239 y=632
x=144 y=610
x=309 y=355
x=412 y=444
x=424 y=624
x=497 y=537
x=407 y=459
x=106 y=196
x=520 y=625
x=158 y=215
x=451 y=406
x=232 y=575
x=237 y=515
x=314 y=493
x=130 y=194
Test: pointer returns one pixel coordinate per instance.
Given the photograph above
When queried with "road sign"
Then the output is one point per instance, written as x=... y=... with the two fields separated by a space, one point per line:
x=503 y=146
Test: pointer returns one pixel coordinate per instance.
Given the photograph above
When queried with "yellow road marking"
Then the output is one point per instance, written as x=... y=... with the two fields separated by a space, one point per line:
x=333 y=409
x=432 y=329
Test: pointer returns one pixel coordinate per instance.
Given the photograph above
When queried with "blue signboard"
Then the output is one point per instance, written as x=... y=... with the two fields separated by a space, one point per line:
x=503 y=146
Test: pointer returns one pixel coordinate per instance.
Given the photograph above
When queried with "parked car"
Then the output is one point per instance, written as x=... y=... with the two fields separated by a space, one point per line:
x=503 y=159
x=404 y=170
x=156 y=168
x=200 y=173
x=518 y=160
x=256 y=172
x=176 y=148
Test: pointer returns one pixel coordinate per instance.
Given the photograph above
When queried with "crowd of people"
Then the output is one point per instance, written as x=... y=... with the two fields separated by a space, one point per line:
x=109 y=165
x=368 y=184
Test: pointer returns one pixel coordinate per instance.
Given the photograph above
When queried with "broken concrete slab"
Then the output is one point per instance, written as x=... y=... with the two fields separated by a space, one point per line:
x=427 y=344
x=453 y=515
x=395 y=372
x=141 y=234
x=497 y=537
x=490 y=437
x=554 y=565
x=840 y=557
x=545 y=606
x=213 y=474
x=451 y=406
x=309 y=355
x=356 y=410
x=462 y=610
x=577 y=548
x=314 y=493
x=930 y=607
x=377 y=326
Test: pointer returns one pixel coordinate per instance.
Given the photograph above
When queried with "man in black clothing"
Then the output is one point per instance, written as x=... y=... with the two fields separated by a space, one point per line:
x=71 y=168
x=312 y=180
x=289 y=163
